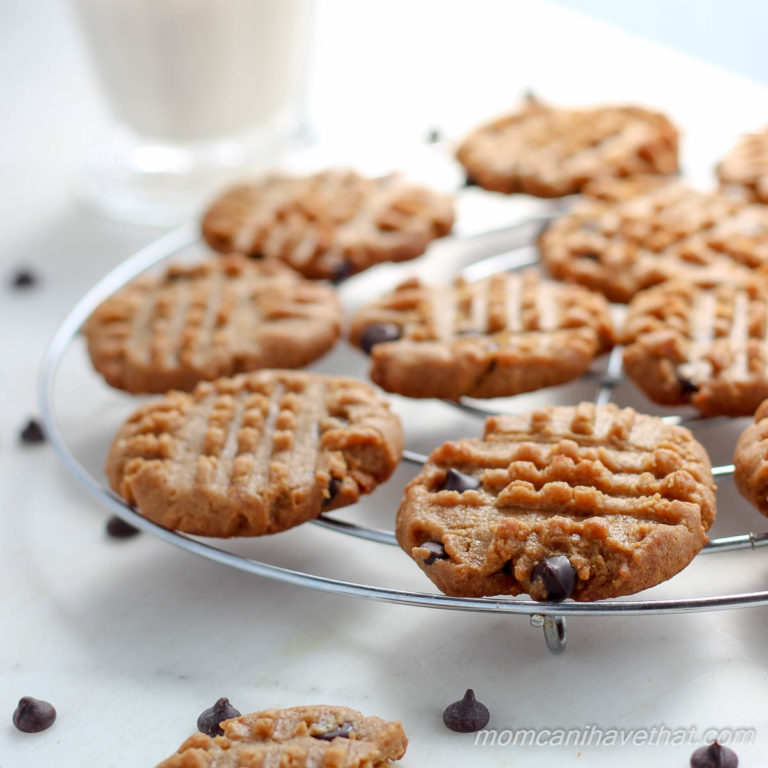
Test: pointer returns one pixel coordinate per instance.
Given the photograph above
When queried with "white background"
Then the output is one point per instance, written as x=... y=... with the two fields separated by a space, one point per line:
x=131 y=640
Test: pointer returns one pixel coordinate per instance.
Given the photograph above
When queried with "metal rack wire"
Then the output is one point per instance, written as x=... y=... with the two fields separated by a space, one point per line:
x=550 y=617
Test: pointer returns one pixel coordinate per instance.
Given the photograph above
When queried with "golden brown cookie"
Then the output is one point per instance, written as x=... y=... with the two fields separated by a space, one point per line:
x=329 y=225
x=588 y=502
x=746 y=166
x=301 y=737
x=622 y=245
x=254 y=454
x=506 y=334
x=705 y=346
x=549 y=151
x=216 y=318
x=750 y=461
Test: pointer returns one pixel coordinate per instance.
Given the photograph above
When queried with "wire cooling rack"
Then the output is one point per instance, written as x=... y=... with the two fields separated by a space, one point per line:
x=551 y=617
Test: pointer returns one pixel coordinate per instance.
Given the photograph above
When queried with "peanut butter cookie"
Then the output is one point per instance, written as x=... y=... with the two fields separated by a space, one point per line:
x=216 y=318
x=301 y=737
x=623 y=244
x=503 y=335
x=254 y=454
x=549 y=151
x=329 y=225
x=588 y=502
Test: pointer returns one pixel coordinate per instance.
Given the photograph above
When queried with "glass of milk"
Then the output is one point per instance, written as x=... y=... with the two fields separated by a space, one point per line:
x=198 y=89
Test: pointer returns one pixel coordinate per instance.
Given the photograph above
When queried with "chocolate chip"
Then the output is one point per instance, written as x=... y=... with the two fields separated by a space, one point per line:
x=714 y=756
x=341 y=272
x=434 y=136
x=32 y=433
x=33 y=715
x=458 y=481
x=24 y=278
x=553 y=579
x=687 y=387
x=343 y=731
x=333 y=490
x=590 y=256
x=469 y=181
x=436 y=552
x=467 y=715
x=117 y=528
x=378 y=333
x=209 y=720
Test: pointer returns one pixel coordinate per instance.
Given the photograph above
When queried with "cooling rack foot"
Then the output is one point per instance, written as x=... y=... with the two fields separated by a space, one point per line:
x=555 y=632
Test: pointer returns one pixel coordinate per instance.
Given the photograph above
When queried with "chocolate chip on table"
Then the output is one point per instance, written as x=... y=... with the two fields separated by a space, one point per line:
x=24 y=278
x=32 y=433
x=436 y=552
x=379 y=333
x=467 y=715
x=33 y=715
x=458 y=481
x=469 y=181
x=208 y=722
x=117 y=528
x=343 y=731
x=434 y=136
x=714 y=755
x=553 y=579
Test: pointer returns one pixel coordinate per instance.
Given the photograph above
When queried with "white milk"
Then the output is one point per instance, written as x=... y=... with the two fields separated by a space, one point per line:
x=198 y=70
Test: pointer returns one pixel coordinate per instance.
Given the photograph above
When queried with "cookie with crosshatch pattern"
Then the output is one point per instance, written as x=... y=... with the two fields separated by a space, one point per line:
x=750 y=461
x=551 y=151
x=704 y=346
x=329 y=225
x=300 y=737
x=589 y=502
x=623 y=244
x=503 y=335
x=256 y=453
x=746 y=166
x=197 y=322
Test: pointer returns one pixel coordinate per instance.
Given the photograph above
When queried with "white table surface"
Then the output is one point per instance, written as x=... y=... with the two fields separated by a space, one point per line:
x=132 y=639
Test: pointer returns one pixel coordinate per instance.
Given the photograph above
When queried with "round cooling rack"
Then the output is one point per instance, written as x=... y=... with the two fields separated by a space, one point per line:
x=551 y=617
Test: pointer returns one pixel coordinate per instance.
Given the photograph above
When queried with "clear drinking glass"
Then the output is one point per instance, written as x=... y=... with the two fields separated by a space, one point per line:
x=198 y=89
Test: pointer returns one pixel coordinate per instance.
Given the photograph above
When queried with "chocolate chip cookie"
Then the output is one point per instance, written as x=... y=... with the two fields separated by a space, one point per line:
x=704 y=346
x=588 y=502
x=746 y=166
x=301 y=737
x=254 y=454
x=622 y=245
x=329 y=225
x=550 y=151
x=751 y=461
x=506 y=334
x=216 y=318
